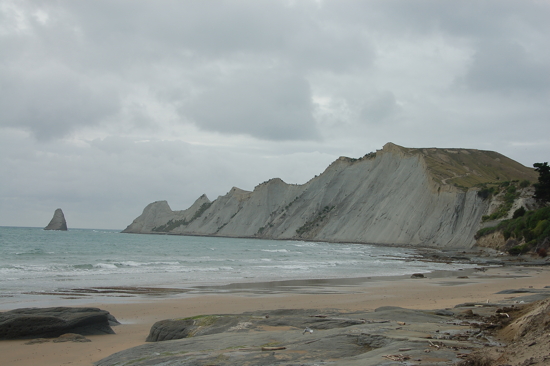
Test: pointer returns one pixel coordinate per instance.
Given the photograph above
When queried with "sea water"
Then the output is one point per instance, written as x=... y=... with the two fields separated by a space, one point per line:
x=34 y=261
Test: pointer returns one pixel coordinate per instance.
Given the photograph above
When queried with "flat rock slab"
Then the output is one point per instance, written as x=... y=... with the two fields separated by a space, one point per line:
x=171 y=329
x=387 y=336
x=297 y=336
x=53 y=322
x=525 y=291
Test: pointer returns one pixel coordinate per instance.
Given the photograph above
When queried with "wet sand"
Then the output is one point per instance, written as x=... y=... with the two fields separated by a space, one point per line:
x=137 y=314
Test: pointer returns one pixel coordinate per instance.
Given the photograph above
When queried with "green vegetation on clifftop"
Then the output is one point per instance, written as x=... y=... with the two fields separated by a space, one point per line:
x=468 y=168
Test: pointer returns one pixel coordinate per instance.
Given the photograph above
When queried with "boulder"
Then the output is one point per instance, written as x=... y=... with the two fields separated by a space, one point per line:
x=170 y=329
x=166 y=330
x=53 y=322
x=58 y=221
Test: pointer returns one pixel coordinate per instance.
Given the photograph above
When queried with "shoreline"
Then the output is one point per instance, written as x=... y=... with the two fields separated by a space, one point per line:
x=419 y=247
x=473 y=260
x=130 y=294
x=137 y=315
x=44 y=279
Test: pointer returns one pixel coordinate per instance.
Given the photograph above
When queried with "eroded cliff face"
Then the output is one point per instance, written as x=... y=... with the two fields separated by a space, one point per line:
x=158 y=217
x=394 y=196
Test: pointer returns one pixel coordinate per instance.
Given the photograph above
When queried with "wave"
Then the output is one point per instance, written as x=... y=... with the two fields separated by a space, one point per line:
x=303 y=267
x=35 y=251
x=303 y=244
x=83 y=266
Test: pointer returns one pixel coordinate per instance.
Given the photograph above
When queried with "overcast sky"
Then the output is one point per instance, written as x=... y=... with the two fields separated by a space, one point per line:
x=106 y=106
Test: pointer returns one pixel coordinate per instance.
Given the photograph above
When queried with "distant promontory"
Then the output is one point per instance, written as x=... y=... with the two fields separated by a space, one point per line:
x=58 y=221
x=403 y=196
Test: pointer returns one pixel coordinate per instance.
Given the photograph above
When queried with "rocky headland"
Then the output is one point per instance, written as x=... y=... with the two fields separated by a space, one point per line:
x=395 y=196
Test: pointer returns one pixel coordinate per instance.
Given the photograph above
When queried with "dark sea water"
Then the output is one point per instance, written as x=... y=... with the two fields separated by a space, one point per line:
x=34 y=261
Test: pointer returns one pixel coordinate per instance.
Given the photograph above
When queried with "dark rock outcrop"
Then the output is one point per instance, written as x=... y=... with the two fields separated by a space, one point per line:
x=166 y=330
x=53 y=322
x=58 y=221
x=171 y=329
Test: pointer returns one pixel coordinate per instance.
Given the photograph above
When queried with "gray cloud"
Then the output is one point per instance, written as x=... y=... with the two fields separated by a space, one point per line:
x=505 y=67
x=209 y=28
x=45 y=90
x=493 y=19
x=52 y=102
x=135 y=101
x=263 y=103
x=380 y=108
x=80 y=43
x=301 y=34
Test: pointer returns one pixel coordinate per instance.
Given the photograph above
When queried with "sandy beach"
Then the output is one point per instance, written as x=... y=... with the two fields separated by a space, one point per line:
x=138 y=315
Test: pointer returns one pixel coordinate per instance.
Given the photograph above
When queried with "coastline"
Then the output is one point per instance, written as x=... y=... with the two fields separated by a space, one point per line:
x=137 y=315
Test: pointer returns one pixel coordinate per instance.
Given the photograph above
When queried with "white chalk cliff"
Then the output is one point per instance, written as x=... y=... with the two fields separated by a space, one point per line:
x=398 y=195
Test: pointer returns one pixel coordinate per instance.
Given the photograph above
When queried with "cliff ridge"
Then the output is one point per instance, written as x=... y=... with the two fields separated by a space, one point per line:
x=396 y=195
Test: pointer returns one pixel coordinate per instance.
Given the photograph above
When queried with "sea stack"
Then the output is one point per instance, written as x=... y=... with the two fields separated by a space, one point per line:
x=58 y=221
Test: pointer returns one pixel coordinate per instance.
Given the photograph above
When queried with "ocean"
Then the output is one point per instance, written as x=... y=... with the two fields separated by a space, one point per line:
x=82 y=263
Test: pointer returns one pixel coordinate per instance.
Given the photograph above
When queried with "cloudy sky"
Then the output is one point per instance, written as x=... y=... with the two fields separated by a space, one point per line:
x=106 y=106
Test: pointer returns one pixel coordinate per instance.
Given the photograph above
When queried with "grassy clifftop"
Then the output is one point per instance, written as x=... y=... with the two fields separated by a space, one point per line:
x=467 y=168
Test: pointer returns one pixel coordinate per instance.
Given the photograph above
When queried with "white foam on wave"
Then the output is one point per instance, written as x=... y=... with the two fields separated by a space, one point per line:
x=301 y=267
x=305 y=244
x=130 y=264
